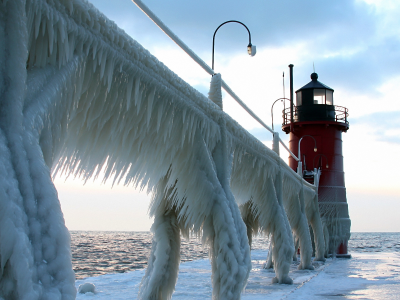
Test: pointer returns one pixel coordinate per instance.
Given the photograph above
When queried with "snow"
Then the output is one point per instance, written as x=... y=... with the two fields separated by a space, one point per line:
x=364 y=276
x=79 y=96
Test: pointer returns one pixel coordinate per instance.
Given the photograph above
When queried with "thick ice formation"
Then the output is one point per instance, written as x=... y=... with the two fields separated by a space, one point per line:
x=76 y=95
x=87 y=288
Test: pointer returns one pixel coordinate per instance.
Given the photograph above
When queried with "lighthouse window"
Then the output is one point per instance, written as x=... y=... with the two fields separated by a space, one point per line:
x=298 y=98
x=329 y=97
x=319 y=96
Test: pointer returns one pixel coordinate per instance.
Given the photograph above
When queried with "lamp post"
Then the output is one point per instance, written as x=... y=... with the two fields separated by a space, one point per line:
x=251 y=49
x=300 y=163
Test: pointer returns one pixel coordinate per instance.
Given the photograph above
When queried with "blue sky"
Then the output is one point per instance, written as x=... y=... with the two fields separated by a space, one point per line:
x=355 y=48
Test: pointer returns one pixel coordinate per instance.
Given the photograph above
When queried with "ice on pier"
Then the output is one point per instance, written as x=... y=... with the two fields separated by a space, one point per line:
x=365 y=276
x=87 y=287
x=78 y=96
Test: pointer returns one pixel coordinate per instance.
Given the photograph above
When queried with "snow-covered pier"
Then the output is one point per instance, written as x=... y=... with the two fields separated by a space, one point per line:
x=366 y=276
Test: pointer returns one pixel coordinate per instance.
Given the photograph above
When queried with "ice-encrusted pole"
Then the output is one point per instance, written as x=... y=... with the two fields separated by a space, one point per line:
x=275 y=148
x=163 y=264
x=314 y=218
x=315 y=221
x=229 y=249
x=35 y=244
x=215 y=94
x=303 y=233
x=279 y=194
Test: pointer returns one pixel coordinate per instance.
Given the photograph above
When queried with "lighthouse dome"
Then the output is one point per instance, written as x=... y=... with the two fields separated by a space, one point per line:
x=314 y=92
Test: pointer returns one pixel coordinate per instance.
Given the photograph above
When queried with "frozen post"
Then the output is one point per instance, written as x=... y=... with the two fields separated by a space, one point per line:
x=279 y=195
x=300 y=169
x=226 y=245
x=275 y=142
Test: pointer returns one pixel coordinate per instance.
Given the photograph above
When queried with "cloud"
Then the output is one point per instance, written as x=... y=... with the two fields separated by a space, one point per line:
x=272 y=23
x=384 y=126
x=355 y=46
x=380 y=119
x=365 y=70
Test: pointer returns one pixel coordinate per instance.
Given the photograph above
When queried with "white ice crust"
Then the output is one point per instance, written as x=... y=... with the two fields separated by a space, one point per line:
x=78 y=95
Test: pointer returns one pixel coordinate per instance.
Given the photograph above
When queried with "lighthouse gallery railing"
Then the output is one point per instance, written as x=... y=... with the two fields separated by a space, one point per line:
x=333 y=113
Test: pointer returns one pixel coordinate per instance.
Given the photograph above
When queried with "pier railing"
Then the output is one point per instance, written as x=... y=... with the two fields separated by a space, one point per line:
x=334 y=113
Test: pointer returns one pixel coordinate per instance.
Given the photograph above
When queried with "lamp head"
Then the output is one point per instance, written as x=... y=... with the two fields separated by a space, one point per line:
x=315 y=149
x=251 y=50
x=327 y=166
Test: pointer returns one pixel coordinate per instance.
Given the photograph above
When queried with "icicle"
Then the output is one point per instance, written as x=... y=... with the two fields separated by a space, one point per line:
x=183 y=115
x=43 y=26
x=150 y=100
x=61 y=30
x=94 y=50
x=71 y=45
x=129 y=92
x=159 y=115
x=137 y=85
x=79 y=47
x=38 y=52
x=182 y=136
x=102 y=62
x=94 y=65
x=50 y=31
x=38 y=19
x=70 y=7
x=110 y=72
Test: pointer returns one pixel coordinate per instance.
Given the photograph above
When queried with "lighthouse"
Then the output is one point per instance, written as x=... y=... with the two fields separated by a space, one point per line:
x=315 y=124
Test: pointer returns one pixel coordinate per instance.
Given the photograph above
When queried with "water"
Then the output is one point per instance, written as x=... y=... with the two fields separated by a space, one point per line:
x=374 y=242
x=96 y=253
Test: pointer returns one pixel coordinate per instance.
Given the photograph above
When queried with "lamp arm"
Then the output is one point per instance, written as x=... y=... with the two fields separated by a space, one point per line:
x=315 y=144
x=272 y=111
x=231 y=21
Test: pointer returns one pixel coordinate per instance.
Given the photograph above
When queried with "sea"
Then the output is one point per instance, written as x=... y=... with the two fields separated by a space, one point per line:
x=97 y=253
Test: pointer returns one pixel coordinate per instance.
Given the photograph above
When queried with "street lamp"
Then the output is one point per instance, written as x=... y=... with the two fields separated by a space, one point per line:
x=251 y=49
x=300 y=164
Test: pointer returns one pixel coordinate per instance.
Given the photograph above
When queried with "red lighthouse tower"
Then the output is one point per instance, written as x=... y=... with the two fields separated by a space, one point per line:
x=315 y=122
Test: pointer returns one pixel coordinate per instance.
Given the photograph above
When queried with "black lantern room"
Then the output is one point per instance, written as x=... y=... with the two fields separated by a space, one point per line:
x=314 y=102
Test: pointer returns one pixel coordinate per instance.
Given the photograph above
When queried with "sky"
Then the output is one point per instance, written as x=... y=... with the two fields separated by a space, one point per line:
x=354 y=47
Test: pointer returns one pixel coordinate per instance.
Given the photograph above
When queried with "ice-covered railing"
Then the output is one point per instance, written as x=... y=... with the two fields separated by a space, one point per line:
x=77 y=95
